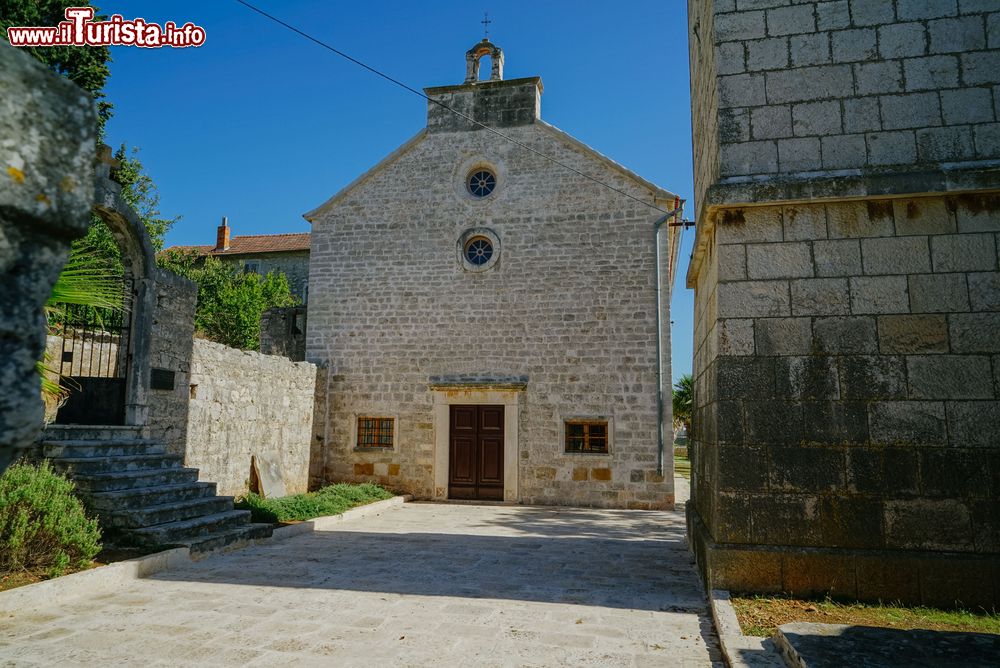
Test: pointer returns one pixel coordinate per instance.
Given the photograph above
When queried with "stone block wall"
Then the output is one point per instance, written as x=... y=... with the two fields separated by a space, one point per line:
x=170 y=346
x=243 y=403
x=841 y=84
x=848 y=382
x=283 y=332
x=846 y=436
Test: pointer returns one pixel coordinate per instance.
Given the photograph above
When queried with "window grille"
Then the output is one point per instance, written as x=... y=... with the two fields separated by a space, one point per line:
x=375 y=432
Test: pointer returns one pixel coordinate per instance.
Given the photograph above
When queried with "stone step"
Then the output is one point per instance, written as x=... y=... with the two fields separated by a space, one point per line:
x=214 y=541
x=183 y=532
x=143 y=497
x=80 y=432
x=164 y=513
x=85 y=466
x=101 y=448
x=108 y=482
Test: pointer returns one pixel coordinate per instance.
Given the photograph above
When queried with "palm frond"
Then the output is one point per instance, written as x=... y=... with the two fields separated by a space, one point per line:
x=86 y=281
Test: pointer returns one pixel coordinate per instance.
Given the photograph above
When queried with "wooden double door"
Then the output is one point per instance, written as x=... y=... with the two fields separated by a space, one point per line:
x=475 y=461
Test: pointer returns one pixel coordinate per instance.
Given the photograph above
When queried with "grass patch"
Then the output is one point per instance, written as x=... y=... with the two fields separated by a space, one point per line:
x=682 y=467
x=761 y=615
x=331 y=500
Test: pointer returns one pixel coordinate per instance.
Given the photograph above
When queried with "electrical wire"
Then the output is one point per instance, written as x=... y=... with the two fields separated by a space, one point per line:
x=445 y=106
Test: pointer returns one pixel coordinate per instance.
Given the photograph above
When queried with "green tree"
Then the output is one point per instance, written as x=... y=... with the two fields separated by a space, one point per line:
x=140 y=192
x=683 y=400
x=86 y=66
x=230 y=302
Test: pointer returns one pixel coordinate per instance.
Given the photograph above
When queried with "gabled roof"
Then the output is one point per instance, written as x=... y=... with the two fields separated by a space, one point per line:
x=379 y=166
x=658 y=192
x=251 y=244
x=608 y=162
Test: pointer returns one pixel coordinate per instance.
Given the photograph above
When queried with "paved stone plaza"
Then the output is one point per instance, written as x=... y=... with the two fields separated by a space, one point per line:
x=421 y=585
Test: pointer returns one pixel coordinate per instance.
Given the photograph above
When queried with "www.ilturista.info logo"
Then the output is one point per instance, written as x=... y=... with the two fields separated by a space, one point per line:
x=79 y=29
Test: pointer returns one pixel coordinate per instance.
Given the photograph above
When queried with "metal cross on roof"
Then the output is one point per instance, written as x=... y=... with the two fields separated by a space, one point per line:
x=486 y=25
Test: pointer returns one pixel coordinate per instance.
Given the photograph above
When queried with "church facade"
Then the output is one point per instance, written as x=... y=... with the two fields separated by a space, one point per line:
x=490 y=324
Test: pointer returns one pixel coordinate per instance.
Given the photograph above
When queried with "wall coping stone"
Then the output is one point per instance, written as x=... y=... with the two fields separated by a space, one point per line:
x=841 y=186
x=741 y=651
x=483 y=85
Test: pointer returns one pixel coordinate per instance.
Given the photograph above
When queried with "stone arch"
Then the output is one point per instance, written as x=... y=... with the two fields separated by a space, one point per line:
x=140 y=267
x=473 y=55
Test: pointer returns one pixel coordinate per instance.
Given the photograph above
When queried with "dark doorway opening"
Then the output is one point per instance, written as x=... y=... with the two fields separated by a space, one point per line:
x=93 y=357
x=475 y=461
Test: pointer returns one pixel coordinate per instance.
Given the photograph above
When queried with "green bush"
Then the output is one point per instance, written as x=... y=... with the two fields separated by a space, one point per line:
x=42 y=523
x=330 y=500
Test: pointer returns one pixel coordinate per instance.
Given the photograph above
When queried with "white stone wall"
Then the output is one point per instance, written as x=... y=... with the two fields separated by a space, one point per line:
x=570 y=305
x=244 y=403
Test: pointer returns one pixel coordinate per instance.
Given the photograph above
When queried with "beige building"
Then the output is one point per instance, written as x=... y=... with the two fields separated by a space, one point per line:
x=262 y=254
x=486 y=320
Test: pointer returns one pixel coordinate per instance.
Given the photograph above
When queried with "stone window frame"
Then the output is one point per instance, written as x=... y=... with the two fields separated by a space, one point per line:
x=577 y=419
x=464 y=171
x=506 y=394
x=374 y=415
x=252 y=267
x=470 y=235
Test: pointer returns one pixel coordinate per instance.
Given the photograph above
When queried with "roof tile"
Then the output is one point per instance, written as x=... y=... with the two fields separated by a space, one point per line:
x=254 y=243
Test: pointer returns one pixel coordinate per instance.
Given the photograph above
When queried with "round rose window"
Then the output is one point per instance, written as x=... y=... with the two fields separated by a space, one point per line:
x=479 y=251
x=482 y=182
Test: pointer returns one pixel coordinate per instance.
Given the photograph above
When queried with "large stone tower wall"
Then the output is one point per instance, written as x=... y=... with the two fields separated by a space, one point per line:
x=847 y=326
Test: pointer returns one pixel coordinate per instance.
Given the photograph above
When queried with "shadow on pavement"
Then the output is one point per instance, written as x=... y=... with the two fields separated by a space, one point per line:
x=636 y=561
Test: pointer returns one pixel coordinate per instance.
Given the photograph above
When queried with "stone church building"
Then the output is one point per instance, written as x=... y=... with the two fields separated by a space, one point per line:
x=492 y=325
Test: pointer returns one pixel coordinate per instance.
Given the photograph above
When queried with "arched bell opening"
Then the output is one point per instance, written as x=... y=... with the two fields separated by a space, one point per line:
x=473 y=57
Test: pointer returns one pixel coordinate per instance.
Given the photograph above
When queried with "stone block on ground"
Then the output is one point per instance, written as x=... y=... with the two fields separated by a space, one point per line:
x=810 y=644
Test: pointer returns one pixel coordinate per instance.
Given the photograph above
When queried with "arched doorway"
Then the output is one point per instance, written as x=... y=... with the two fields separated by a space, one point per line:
x=104 y=355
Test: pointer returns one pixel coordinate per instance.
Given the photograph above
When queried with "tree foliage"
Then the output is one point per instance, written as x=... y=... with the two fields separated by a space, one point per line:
x=141 y=193
x=230 y=301
x=86 y=66
x=683 y=400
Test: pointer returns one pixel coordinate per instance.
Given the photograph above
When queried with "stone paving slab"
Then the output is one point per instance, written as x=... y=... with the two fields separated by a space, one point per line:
x=424 y=584
x=835 y=645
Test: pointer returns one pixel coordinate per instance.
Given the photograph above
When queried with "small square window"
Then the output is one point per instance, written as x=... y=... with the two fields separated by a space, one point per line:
x=375 y=432
x=251 y=267
x=589 y=436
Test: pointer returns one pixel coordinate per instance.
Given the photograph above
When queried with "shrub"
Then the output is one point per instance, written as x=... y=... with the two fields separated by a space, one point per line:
x=230 y=302
x=330 y=500
x=42 y=523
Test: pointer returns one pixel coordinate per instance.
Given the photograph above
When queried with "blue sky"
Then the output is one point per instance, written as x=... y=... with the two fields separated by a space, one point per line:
x=261 y=125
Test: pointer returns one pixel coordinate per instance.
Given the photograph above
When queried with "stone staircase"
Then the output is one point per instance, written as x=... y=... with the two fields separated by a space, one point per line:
x=142 y=495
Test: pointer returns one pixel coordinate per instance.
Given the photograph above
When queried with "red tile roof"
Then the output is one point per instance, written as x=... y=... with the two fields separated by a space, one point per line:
x=254 y=243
